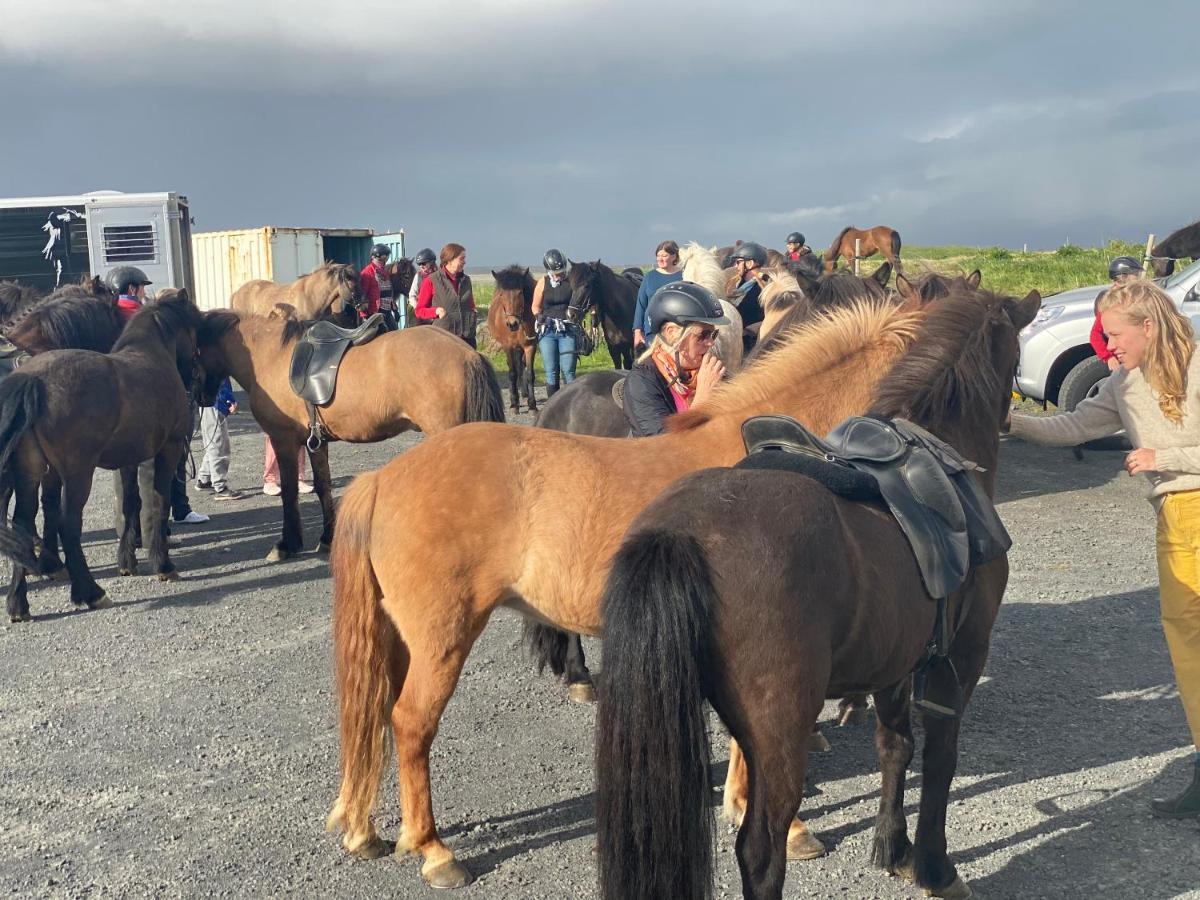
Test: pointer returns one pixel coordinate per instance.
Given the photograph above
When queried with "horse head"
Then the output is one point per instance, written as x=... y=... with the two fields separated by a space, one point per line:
x=514 y=291
x=583 y=278
x=179 y=322
x=401 y=273
x=347 y=287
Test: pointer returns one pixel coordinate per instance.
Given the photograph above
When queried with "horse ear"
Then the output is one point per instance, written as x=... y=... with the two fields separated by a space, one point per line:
x=974 y=278
x=1026 y=309
x=908 y=291
x=882 y=274
x=494 y=275
x=527 y=275
x=184 y=295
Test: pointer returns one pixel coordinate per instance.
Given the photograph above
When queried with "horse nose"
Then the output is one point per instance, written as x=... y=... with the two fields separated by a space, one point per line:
x=512 y=323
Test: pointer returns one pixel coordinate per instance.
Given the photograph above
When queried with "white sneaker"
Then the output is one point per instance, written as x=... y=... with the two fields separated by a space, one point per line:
x=272 y=489
x=193 y=518
x=306 y=487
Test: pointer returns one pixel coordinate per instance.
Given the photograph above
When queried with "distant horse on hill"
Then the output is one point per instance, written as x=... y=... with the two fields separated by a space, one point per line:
x=879 y=239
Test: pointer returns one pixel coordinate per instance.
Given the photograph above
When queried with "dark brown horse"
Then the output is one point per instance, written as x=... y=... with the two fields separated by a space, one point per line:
x=1181 y=244
x=764 y=593
x=510 y=323
x=66 y=413
x=422 y=379
x=614 y=297
x=401 y=273
x=879 y=239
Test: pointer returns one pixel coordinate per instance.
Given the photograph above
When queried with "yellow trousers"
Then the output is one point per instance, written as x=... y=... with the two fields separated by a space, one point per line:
x=1179 y=595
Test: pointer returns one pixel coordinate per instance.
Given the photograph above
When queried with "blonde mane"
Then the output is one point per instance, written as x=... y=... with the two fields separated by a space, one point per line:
x=701 y=266
x=820 y=344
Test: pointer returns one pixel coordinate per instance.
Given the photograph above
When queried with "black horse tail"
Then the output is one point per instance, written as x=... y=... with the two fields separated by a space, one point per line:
x=484 y=402
x=654 y=826
x=22 y=399
x=547 y=645
x=895 y=243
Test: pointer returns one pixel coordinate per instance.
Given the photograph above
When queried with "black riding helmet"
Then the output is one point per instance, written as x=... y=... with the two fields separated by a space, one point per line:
x=554 y=261
x=751 y=251
x=424 y=257
x=795 y=238
x=122 y=278
x=1123 y=265
x=383 y=251
x=684 y=303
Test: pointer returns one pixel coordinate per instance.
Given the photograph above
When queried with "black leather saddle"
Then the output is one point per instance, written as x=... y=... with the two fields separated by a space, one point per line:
x=950 y=522
x=318 y=354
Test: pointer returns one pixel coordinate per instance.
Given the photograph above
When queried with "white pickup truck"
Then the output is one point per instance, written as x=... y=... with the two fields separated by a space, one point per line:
x=1058 y=364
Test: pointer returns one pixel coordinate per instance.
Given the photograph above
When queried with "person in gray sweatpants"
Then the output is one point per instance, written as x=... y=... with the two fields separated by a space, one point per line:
x=214 y=432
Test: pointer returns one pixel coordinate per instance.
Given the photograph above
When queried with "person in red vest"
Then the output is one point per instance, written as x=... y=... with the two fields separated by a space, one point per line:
x=446 y=299
x=377 y=286
x=796 y=247
x=130 y=283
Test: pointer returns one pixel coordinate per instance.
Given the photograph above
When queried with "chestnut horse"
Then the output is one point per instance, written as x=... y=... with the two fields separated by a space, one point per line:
x=764 y=593
x=879 y=239
x=331 y=290
x=510 y=323
x=405 y=620
x=422 y=379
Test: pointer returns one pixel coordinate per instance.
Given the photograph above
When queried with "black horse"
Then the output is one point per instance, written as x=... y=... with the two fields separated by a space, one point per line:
x=1181 y=244
x=764 y=593
x=613 y=297
x=66 y=413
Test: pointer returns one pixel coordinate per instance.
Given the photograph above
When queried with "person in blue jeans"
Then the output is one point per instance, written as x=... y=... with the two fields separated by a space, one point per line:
x=556 y=341
x=666 y=270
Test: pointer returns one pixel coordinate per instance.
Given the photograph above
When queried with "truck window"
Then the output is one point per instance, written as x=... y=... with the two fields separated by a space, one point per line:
x=130 y=243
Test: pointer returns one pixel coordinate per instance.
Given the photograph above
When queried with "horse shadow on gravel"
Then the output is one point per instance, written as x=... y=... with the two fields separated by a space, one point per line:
x=1029 y=470
x=1069 y=688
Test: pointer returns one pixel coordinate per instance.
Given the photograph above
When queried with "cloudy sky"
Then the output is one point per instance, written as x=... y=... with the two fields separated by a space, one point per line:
x=603 y=127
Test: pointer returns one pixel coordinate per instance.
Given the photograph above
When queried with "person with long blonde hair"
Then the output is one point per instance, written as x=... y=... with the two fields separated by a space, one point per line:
x=1155 y=396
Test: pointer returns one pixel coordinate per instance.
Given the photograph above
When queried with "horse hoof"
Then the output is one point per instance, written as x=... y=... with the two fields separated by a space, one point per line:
x=854 y=715
x=447 y=875
x=173 y=575
x=101 y=602
x=132 y=570
x=59 y=574
x=802 y=845
x=582 y=692
x=20 y=617
x=323 y=548
x=955 y=890
x=817 y=743
x=375 y=848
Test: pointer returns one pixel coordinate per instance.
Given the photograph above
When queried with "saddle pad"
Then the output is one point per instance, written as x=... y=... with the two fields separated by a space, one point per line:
x=841 y=480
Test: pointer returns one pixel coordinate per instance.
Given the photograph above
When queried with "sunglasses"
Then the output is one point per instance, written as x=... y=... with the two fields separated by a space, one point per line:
x=706 y=334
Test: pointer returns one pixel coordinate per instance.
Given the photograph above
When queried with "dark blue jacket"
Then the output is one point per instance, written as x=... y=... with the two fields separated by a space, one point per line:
x=651 y=282
x=224 y=398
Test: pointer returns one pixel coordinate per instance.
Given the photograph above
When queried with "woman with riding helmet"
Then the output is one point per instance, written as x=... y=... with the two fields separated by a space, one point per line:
x=796 y=247
x=556 y=334
x=446 y=298
x=678 y=371
x=376 y=286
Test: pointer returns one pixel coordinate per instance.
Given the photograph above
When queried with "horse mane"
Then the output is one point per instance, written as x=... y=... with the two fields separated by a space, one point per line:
x=69 y=318
x=844 y=287
x=1179 y=243
x=947 y=373
x=512 y=278
x=701 y=266
x=804 y=351
x=170 y=313
x=837 y=241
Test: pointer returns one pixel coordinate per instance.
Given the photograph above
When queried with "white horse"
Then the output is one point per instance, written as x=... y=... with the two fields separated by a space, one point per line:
x=701 y=266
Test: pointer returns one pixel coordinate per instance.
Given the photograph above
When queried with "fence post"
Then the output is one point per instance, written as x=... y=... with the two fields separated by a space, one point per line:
x=1149 y=250
x=857 y=250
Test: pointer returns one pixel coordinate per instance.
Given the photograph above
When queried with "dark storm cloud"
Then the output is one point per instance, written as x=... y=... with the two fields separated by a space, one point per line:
x=602 y=128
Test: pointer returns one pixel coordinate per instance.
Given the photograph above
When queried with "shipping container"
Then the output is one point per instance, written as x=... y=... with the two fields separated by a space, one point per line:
x=46 y=242
x=225 y=260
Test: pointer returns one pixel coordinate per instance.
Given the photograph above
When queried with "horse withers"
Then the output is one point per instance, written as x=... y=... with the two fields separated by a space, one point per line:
x=510 y=322
x=763 y=593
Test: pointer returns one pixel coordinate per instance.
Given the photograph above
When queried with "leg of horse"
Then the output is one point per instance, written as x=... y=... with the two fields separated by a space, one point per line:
x=154 y=513
x=131 y=511
x=931 y=866
x=49 y=561
x=579 y=679
x=77 y=487
x=853 y=710
x=323 y=485
x=801 y=844
x=287 y=449
x=24 y=514
x=514 y=379
x=891 y=849
x=527 y=362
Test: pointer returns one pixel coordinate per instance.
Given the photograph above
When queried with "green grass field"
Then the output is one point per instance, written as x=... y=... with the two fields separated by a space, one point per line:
x=1004 y=270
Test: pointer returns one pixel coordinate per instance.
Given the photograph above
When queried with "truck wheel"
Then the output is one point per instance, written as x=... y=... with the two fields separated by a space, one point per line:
x=1081 y=382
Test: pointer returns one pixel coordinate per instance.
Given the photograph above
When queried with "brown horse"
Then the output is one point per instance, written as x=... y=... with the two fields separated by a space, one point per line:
x=879 y=239
x=331 y=290
x=510 y=323
x=400 y=273
x=405 y=619
x=422 y=379
x=66 y=413
x=764 y=593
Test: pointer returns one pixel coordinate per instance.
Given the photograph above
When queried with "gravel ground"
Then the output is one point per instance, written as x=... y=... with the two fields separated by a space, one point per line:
x=183 y=743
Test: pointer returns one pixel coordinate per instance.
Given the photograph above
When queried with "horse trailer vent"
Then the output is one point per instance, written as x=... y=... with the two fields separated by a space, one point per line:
x=130 y=243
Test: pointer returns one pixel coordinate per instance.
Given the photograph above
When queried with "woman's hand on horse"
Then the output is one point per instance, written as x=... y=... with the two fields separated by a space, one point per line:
x=441 y=312
x=1141 y=460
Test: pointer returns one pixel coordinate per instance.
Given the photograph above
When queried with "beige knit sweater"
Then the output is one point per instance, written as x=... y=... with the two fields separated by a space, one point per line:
x=1126 y=401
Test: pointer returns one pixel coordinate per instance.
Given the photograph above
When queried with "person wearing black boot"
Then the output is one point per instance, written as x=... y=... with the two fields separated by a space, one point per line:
x=556 y=334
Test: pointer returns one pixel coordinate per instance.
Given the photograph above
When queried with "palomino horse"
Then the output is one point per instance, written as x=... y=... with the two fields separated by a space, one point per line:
x=66 y=412
x=510 y=323
x=422 y=379
x=1181 y=244
x=700 y=265
x=405 y=619
x=764 y=593
x=331 y=290
x=613 y=296
x=879 y=239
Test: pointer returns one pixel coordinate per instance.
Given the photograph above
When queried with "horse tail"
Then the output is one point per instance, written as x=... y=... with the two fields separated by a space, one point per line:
x=22 y=400
x=547 y=645
x=895 y=243
x=484 y=402
x=367 y=653
x=654 y=826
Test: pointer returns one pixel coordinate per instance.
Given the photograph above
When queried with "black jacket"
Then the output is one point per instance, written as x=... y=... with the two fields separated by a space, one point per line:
x=648 y=400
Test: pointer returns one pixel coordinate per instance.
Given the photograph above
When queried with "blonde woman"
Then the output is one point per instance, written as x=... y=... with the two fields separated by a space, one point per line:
x=678 y=371
x=1155 y=396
